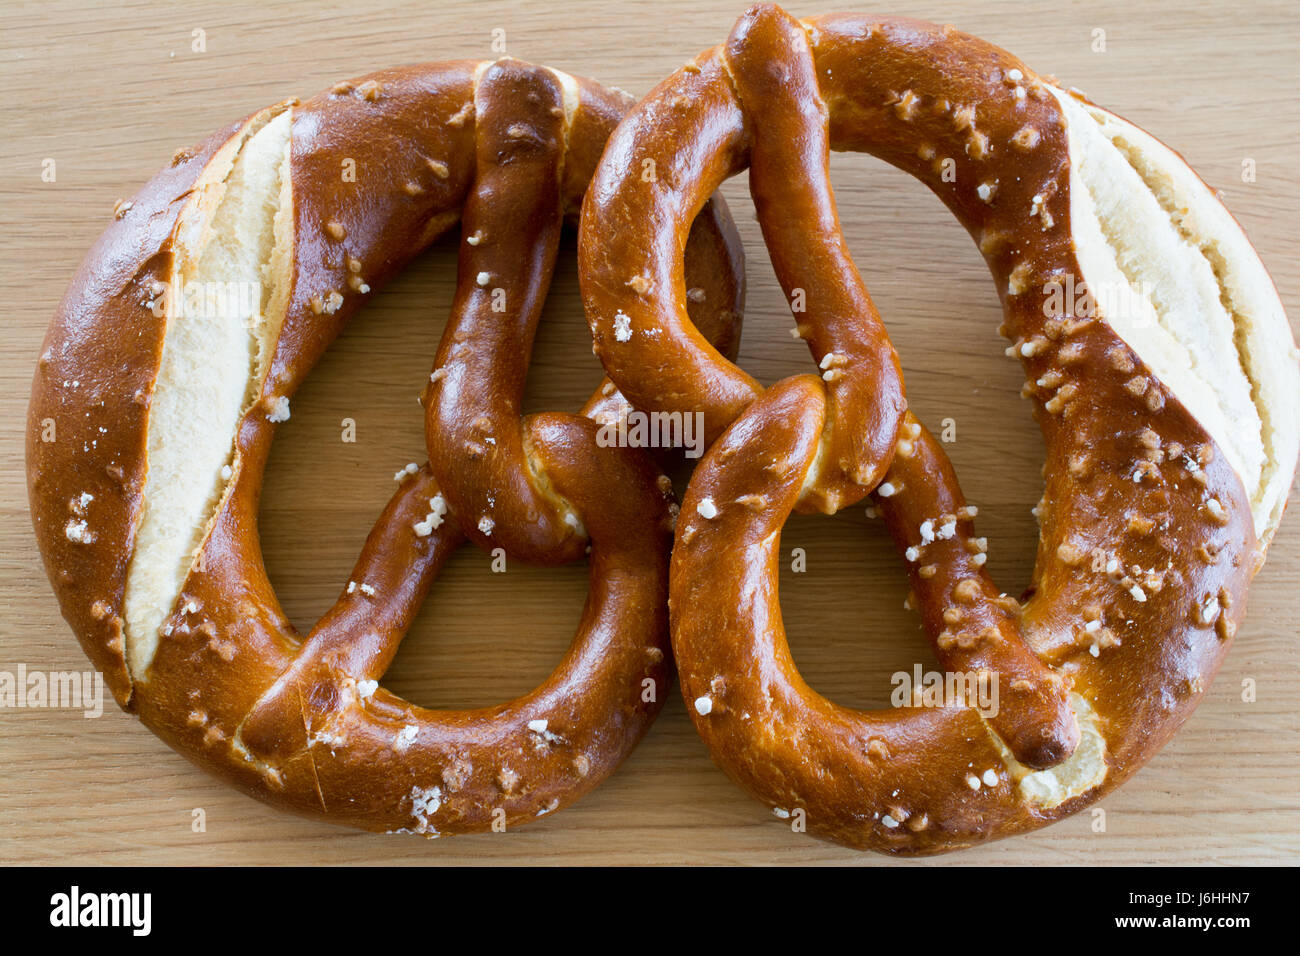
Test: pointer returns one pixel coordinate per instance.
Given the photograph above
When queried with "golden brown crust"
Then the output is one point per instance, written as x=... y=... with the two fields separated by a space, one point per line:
x=1147 y=542
x=300 y=721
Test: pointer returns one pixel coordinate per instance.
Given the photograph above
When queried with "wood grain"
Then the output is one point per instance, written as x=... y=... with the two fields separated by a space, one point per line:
x=109 y=93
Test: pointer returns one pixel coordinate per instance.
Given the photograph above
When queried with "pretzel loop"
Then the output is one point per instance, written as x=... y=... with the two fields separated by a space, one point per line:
x=521 y=759
x=476 y=391
x=735 y=507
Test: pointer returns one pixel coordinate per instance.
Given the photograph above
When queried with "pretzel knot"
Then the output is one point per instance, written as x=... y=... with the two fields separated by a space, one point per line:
x=1156 y=509
x=162 y=449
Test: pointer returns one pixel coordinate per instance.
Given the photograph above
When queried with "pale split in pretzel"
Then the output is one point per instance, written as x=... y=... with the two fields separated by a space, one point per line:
x=145 y=506
x=1161 y=368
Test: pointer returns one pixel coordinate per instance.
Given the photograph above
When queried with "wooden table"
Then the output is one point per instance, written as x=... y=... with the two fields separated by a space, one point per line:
x=110 y=93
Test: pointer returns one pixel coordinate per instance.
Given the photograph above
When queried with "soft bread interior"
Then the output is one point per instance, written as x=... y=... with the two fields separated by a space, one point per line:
x=1175 y=276
x=224 y=308
x=569 y=96
x=1080 y=772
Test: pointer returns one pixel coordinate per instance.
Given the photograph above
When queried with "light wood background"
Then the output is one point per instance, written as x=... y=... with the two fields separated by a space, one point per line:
x=110 y=91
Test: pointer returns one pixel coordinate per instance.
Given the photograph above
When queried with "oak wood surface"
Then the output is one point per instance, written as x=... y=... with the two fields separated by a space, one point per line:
x=109 y=92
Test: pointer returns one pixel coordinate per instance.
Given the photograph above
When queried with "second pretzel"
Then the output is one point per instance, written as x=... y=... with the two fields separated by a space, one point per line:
x=1170 y=425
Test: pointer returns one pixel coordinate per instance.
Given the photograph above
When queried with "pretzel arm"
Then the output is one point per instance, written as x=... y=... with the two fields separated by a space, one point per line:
x=356 y=639
x=715 y=297
x=621 y=250
x=511 y=224
x=770 y=64
x=973 y=628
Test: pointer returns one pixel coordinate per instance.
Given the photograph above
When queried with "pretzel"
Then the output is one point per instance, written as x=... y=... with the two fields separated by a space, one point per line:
x=1170 y=422
x=145 y=505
